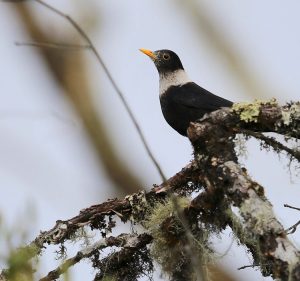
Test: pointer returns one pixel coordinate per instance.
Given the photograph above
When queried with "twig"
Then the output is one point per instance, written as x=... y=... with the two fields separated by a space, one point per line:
x=53 y=45
x=272 y=142
x=293 y=228
x=246 y=266
x=291 y=207
x=114 y=84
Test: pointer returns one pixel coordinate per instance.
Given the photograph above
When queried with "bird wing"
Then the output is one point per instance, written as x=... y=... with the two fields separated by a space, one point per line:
x=194 y=97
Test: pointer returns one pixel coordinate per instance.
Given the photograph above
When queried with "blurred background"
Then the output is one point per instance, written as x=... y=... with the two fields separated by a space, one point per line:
x=66 y=141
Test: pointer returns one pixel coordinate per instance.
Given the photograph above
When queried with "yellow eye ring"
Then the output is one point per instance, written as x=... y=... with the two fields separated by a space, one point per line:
x=166 y=56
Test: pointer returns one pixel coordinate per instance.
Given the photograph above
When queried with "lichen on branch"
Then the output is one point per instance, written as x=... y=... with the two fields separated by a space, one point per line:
x=176 y=232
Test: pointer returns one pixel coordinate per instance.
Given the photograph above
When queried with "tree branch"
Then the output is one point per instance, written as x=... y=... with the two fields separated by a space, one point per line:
x=60 y=46
x=270 y=141
x=134 y=242
x=247 y=266
x=95 y=216
x=258 y=116
x=226 y=185
x=257 y=227
x=293 y=228
x=291 y=207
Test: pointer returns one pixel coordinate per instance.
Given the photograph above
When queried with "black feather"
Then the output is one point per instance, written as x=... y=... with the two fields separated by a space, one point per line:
x=187 y=103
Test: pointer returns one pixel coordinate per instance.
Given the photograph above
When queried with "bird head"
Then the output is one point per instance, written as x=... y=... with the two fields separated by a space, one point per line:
x=164 y=60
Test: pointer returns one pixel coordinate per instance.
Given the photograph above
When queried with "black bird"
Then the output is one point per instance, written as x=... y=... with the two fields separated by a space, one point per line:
x=182 y=101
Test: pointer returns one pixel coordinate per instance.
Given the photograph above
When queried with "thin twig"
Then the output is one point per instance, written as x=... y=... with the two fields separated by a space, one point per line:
x=246 y=266
x=115 y=86
x=291 y=207
x=272 y=142
x=53 y=45
x=293 y=228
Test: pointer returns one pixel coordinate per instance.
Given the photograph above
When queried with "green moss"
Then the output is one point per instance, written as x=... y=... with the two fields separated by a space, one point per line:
x=249 y=111
x=164 y=210
x=169 y=247
x=164 y=227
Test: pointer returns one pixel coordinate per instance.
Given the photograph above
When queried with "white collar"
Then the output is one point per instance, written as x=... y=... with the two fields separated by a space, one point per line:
x=175 y=78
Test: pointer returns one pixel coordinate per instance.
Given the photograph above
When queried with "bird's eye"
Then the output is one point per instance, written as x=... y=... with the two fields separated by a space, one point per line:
x=166 y=56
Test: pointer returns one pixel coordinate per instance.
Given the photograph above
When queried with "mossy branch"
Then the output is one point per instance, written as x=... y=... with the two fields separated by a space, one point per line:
x=224 y=184
x=128 y=242
x=268 y=116
x=272 y=142
x=134 y=208
x=259 y=229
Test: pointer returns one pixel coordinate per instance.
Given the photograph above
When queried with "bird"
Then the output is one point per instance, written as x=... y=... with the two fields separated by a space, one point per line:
x=182 y=100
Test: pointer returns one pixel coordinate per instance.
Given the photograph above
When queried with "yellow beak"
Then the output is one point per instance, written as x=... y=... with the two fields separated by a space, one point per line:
x=148 y=53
